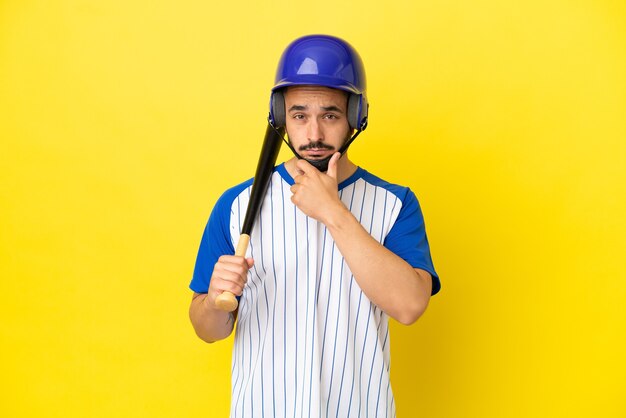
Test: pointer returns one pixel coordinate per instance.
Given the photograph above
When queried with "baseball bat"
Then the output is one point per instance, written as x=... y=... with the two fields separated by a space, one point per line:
x=226 y=301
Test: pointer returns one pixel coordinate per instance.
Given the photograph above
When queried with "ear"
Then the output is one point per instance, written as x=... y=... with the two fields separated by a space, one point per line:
x=277 y=109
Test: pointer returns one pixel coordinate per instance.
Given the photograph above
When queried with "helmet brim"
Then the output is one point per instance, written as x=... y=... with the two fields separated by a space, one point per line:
x=317 y=80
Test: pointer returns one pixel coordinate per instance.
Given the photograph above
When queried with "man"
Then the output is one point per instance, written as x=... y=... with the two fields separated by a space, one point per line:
x=334 y=252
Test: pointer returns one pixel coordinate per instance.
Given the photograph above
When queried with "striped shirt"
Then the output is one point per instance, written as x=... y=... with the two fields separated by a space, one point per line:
x=308 y=342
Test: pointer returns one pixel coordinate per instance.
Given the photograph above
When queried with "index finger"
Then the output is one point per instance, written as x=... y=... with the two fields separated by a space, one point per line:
x=299 y=179
x=232 y=259
x=305 y=166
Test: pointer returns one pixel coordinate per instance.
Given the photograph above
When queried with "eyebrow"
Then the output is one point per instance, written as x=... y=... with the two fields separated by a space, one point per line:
x=324 y=108
x=297 y=107
x=332 y=109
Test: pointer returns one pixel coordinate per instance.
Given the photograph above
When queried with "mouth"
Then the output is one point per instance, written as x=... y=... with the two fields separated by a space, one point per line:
x=317 y=153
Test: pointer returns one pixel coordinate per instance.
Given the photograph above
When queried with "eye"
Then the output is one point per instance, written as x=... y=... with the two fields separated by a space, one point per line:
x=298 y=116
x=330 y=116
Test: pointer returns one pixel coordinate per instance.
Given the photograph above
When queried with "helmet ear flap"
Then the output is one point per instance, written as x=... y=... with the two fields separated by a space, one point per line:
x=277 y=109
x=357 y=111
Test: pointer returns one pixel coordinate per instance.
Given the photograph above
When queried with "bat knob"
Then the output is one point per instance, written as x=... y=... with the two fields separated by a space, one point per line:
x=226 y=302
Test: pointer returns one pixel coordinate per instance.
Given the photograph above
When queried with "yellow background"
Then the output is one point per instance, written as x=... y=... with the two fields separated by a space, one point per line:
x=121 y=122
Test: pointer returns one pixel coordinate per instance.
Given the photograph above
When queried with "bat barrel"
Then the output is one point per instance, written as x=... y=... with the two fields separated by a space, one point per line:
x=264 y=170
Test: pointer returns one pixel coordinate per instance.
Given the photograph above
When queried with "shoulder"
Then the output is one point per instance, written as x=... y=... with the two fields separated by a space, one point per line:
x=401 y=192
x=231 y=194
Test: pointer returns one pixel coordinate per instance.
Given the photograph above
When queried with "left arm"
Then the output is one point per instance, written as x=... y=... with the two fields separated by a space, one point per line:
x=386 y=279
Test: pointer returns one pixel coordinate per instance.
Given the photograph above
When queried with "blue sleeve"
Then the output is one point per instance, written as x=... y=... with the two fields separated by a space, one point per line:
x=408 y=240
x=216 y=241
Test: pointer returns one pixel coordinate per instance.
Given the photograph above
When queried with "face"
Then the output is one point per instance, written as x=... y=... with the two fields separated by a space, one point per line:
x=317 y=123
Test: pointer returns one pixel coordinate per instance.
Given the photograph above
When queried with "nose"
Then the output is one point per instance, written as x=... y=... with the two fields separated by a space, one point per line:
x=314 y=131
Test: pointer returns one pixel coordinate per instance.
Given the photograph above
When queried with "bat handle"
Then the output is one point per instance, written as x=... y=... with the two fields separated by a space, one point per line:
x=227 y=301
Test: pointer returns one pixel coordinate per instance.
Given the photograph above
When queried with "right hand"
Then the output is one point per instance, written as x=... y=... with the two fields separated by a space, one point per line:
x=230 y=274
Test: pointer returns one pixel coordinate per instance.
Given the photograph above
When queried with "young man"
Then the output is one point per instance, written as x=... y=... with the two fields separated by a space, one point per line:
x=334 y=253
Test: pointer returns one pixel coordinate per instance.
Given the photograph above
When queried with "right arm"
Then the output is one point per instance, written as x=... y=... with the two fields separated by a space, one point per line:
x=230 y=273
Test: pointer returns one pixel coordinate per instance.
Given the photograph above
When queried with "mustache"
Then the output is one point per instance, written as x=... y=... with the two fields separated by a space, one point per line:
x=315 y=145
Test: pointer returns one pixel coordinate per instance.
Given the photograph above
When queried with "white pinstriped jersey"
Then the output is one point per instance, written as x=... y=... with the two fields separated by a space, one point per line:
x=308 y=342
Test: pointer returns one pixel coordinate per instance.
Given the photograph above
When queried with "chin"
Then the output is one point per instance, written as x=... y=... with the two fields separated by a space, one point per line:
x=320 y=164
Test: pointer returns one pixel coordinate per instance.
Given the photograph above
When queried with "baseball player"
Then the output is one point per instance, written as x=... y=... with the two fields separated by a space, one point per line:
x=334 y=253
